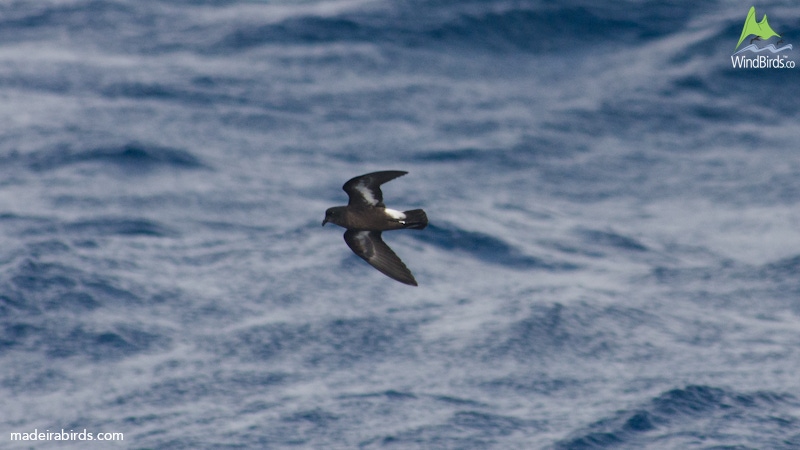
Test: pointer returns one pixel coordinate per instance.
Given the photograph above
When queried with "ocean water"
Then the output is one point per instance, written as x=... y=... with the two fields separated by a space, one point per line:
x=612 y=260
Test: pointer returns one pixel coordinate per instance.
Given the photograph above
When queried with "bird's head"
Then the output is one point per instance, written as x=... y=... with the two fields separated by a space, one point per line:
x=333 y=215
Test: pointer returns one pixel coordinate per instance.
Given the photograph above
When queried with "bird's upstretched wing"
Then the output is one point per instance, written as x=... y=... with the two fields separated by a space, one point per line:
x=365 y=190
x=370 y=246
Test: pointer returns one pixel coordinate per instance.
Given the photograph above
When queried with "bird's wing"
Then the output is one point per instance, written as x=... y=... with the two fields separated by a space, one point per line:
x=365 y=190
x=370 y=246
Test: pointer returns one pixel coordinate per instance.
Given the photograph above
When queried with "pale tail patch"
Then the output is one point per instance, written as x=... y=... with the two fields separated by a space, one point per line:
x=397 y=215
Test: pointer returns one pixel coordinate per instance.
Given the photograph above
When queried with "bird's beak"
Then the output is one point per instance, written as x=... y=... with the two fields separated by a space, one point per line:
x=324 y=221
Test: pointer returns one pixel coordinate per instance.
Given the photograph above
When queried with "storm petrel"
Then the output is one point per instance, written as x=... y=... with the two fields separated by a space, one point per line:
x=365 y=217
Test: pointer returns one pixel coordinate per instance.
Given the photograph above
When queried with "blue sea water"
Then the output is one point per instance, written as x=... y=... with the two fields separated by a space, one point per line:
x=612 y=260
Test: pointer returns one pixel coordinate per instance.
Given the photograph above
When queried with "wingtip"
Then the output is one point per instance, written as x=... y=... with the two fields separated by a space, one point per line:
x=411 y=282
x=405 y=278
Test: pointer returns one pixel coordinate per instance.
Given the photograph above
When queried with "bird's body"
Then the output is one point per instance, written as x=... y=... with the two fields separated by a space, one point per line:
x=365 y=217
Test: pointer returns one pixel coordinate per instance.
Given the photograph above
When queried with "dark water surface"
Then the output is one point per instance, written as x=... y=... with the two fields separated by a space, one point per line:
x=612 y=260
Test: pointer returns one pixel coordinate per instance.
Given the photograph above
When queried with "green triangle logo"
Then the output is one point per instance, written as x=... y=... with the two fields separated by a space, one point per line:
x=761 y=29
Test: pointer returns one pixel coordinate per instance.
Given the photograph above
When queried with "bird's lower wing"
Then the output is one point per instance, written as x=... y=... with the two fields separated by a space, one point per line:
x=369 y=246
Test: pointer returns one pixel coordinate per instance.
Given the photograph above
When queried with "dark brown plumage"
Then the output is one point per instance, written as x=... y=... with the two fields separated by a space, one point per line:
x=365 y=217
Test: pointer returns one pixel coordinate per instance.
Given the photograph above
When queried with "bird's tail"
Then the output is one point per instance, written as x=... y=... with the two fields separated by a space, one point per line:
x=416 y=219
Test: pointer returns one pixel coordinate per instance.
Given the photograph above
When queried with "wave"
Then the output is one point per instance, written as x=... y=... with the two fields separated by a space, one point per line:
x=784 y=269
x=461 y=429
x=771 y=47
x=498 y=25
x=119 y=226
x=45 y=304
x=485 y=247
x=528 y=26
x=687 y=412
x=337 y=343
x=611 y=239
x=33 y=286
x=133 y=157
x=558 y=330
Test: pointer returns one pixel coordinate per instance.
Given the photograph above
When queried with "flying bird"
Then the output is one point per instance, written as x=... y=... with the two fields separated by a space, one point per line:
x=366 y=217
